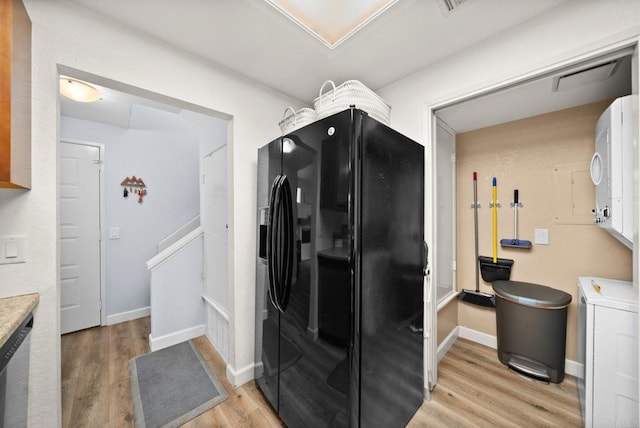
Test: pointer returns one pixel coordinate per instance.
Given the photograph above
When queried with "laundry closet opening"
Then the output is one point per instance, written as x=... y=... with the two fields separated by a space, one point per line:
x=536 y=136
x=159 y=186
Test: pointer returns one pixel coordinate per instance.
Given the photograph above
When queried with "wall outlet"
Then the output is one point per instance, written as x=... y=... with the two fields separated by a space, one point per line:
x=541 y=236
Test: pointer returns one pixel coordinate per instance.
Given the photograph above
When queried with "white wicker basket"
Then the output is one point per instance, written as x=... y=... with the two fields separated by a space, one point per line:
x=351 y=92
x=296 y=119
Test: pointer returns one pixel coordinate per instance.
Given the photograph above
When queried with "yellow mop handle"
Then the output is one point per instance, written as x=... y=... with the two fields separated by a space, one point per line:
x=495 y=220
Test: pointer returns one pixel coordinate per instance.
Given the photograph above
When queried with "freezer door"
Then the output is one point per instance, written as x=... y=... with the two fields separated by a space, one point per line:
x=276 y=254
x=302 y=349
x=389 y=269
x=267 y=339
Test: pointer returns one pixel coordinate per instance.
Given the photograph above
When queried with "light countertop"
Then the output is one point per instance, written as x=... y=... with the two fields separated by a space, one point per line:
x=14 y=310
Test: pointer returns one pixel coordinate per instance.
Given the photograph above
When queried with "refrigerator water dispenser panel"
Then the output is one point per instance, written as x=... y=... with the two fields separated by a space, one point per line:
x=263 y=220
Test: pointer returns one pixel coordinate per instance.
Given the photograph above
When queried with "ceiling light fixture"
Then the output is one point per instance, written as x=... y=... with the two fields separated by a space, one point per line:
x=332 y=21
x=78 y=91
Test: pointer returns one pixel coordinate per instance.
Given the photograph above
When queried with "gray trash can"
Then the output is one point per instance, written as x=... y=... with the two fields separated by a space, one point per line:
x=531 y=323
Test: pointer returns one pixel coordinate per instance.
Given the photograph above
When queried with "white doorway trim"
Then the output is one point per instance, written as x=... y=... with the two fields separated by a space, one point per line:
x=568 y=60
x=572 y=58
x=215 y=222
x=100 y=146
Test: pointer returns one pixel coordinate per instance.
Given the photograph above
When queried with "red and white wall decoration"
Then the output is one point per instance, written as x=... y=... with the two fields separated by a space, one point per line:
x=134 y=185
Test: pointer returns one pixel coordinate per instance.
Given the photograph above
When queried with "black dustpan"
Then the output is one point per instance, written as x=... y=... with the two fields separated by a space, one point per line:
x=494 y=268
x=494 y=271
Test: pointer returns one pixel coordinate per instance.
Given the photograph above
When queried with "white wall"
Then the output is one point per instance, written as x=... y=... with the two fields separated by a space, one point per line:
x=177 y=307
x=70 y=36
x=212 y=132
x=164 y=151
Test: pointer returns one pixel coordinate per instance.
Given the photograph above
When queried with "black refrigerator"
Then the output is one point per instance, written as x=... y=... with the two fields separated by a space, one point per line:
x=339 y=280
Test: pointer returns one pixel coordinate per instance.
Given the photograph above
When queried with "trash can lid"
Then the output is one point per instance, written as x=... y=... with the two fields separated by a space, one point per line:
x=530 y=294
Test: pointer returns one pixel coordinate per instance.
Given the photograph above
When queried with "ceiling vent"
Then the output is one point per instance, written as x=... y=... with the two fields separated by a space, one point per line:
x=586 y=76
x=448 y=6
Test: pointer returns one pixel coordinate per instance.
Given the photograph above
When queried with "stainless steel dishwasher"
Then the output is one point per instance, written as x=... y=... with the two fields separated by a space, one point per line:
x=14 y=376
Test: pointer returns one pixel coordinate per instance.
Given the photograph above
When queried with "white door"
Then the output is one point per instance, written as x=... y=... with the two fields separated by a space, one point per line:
x=80 y=257
x=214 y=221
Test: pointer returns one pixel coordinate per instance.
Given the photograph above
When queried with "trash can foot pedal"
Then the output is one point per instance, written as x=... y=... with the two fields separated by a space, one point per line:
x=529 y=368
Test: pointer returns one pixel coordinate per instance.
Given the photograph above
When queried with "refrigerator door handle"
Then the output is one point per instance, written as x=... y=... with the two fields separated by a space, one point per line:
x=272 y=247
x=279 y=243
x=288 y=246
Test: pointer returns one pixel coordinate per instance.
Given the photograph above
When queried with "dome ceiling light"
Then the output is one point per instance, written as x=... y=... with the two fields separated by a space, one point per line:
x=78 y=90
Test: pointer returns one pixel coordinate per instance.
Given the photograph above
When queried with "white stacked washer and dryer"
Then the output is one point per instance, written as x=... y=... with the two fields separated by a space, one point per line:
x=608 y=308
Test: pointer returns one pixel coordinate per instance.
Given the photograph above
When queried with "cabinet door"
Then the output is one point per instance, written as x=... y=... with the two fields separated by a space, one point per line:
x=15 y=95
x=615 y=368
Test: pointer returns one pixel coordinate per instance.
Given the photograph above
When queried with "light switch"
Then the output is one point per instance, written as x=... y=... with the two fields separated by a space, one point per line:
x=541 y=236
x=12 y=249
x=114 y=233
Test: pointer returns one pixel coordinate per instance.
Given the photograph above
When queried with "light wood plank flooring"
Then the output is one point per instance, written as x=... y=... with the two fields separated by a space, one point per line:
x=474 y=389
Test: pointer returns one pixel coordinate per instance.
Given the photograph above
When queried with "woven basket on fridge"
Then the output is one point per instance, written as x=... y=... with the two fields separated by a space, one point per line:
x=351 y=92
x=296 y=119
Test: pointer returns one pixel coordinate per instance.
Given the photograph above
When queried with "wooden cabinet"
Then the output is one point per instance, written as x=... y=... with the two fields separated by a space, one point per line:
x=15 y=95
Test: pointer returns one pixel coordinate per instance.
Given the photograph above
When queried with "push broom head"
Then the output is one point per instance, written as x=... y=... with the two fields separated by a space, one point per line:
x=515 y=243
x=478 y=298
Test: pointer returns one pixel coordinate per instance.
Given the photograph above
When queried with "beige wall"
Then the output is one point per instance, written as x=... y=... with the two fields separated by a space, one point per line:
x=546 y=157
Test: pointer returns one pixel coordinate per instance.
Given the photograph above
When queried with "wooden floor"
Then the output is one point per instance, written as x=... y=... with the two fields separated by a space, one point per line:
x=96 y=389
x=473 y=389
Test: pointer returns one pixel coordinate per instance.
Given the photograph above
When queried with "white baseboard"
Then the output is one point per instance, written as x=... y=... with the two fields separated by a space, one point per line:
x=478 y=337
x=571 y=367
x=239 y=377
x=156 y=343
x=447 y=343
x=129 y=315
